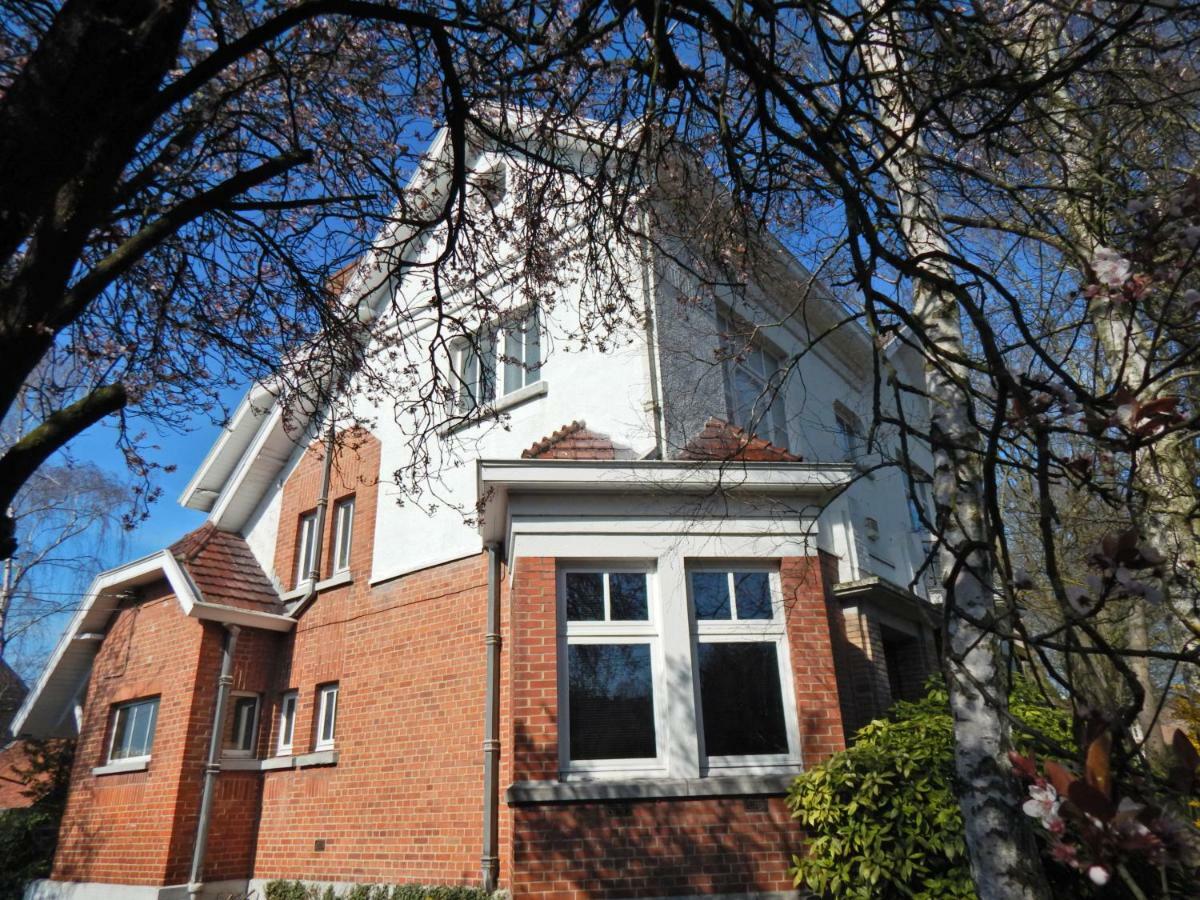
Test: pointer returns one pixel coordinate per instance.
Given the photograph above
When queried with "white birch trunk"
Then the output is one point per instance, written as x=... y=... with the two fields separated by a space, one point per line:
x=1003 y=857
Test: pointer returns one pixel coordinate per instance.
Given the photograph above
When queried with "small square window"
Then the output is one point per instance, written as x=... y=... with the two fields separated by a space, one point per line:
x=327 y=704
x=241 y=728
x=343 y=536
x=287 y=722
x=133 y=727
x=306 y=546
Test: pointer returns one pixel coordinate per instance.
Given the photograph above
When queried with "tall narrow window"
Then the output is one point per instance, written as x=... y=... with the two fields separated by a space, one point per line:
x=343 y=517
x=497 y=361
x=849 y=433
x=754 y=383
x=306 y=546
x=610 y=671
x=133 y=727
x=918 y=502
x=241 y=728
x=327 y=709
x=287 y=722
x=745 y=709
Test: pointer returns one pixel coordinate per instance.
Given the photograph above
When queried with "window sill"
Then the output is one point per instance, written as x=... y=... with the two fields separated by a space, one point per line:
x=650 y=789
x=276 y=763
x=123 y=765
x=499 y=405
x=335 y=580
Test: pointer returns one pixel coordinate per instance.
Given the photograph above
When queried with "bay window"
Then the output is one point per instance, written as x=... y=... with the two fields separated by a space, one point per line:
x=625 y=672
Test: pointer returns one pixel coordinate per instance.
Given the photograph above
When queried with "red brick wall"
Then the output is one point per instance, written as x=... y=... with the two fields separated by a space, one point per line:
x=125 y=828
x=404 y=801
x=656 y=848
x=13 y=760
x=661 y=847
x=355 y=471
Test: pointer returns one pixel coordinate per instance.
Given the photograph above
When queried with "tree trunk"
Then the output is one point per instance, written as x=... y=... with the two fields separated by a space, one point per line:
x=1003 y=856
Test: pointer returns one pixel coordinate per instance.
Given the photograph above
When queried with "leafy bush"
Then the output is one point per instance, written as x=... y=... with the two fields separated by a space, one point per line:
x=298 y=890
x=881 y=817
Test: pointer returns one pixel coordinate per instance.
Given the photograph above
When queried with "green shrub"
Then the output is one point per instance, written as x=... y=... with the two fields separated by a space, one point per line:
x=298 y=890
x=28 y=836
x=881 y=817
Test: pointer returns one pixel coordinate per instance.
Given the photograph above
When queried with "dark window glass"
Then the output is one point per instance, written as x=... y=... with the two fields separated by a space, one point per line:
x=753 y=595
x=585 y=596
x=611 y=701
x=741 y=700
x=710 y=595
x=627 y=597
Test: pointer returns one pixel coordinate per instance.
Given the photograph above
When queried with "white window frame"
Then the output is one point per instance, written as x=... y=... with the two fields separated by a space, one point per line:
x=734 y=630
x=740 y=345
x=492 y=351
x=289 y=702
x=306 y=545
x=850 y=437
x=325 y=693
x=610 y=632
x=112 y=735
x=236 y=750
x=343 y=533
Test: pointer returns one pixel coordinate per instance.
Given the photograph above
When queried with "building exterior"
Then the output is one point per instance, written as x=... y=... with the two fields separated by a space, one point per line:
x=649 y=586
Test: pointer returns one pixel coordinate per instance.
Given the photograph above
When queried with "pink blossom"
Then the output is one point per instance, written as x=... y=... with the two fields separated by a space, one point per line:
x=1110 y=267
x=1043 y=804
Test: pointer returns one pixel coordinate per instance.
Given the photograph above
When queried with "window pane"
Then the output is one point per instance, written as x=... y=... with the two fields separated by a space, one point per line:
x=533 y=349
x=710 y=595
x=288 y=724
x=611 y=701
x=514 y=369
x=740 y=699
x=746 y=392
x=244 y=709
x=469 y=389
x=585 y=596
x=329 y=713
x=627 y=596
x=487 y=367
x=345 y=533
x=133 y=729
x=753 y=592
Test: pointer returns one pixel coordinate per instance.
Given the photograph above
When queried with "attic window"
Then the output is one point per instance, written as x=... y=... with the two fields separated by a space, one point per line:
x=498 y=360
x=754 y=377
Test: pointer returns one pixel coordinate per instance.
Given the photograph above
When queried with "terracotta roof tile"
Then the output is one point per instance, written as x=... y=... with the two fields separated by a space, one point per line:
x=720 y=440
x=225 y=571
x=572 y=441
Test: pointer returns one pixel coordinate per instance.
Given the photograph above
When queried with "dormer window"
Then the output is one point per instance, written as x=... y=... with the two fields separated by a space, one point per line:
x=754 y=377
x=498 y=360
x=306 y=546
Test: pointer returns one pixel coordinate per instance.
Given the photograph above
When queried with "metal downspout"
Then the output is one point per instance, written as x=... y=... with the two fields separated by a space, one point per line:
x=213 y=765
x=490 y=861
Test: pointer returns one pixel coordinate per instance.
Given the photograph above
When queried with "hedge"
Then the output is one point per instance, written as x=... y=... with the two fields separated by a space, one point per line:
x=298 y=890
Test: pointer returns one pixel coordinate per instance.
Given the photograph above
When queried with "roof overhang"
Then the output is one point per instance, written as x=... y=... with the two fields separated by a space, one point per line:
x=47 y=709
x=498 y=479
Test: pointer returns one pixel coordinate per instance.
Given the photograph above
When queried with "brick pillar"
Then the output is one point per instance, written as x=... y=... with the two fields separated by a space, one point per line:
x=810 y=640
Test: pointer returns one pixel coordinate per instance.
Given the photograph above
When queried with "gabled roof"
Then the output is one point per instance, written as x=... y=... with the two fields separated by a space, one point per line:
x=213 y=576
x=572 y=441
x=720 y=440
x=225 y=571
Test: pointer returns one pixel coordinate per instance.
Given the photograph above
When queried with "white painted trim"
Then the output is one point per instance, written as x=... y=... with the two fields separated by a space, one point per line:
x=429 y=563
x=486 y=414
x=257 y=394
x=46 y=889
x=113 y=578
x=120 y=766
